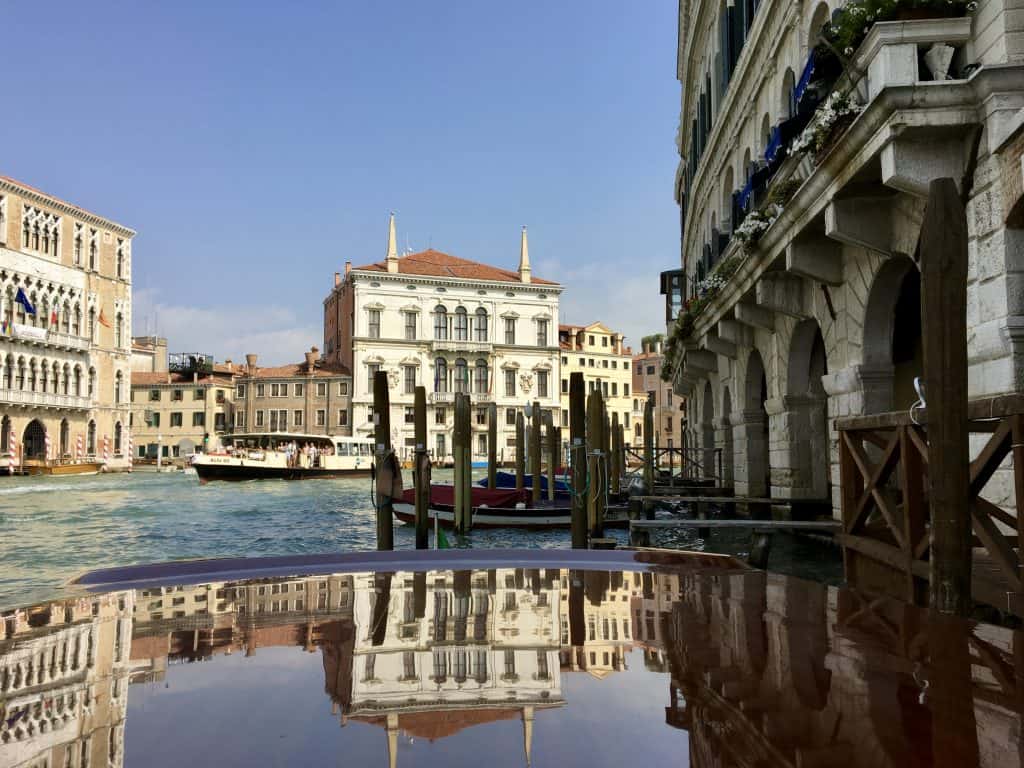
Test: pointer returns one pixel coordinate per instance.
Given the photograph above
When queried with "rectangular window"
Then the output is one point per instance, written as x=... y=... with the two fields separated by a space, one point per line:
x=510 y=330
x=343 y=388
x=259 y=419
x=604 y=363
x=321 y=389
x=154 y=395
x=240 y=392
x=410 y=379
x=441 y=324
x=198 y=419
x=625 y=390
x=199 y=394
x=155 y=420
x=410 y=326
x=299 y=389
x=590 y=363
x=668 y=397
x=297 y=418
x=542 y=333
x=565 y=386
x=615 y=389
x=604 y=388
x=218 y=422
x=542 y=383
x=439 y=415
x=510 y=417
x=650 y=370
x=261 y=390
x=278 y=419
x=343 y=418
x=410 y=415
x=371 y=371
x=481 y=416
x=321 y=417
x=374 y=326
x=176 y=419
x=240 y=419
x=177 y=395
x=510 y=382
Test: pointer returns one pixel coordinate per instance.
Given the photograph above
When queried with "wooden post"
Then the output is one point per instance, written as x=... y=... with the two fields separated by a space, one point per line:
x=459 y=453
x=623 y=468
x=520 y=456
x=382 y=444
x=943 y=260
x=613 y=468
x=467 y=458
x=535 y=449
x=649 y=444
x=421 y=476
x=552 y=458
x=492 y=445
x=578 y=458
x=597 y=495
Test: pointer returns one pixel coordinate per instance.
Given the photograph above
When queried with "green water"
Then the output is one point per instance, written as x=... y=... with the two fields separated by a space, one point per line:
x=52 y=529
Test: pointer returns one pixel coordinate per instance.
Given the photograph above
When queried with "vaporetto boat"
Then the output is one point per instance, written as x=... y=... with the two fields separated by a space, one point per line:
x=285 y=456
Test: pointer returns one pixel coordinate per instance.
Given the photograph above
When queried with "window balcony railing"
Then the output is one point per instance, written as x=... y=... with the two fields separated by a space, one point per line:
x=47 y=337
x=450 y=345
x=52 y=399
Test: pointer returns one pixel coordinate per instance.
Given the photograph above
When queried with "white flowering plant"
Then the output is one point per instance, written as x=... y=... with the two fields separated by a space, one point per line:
x=852 y=22
x=819 y=129
x=756 y=224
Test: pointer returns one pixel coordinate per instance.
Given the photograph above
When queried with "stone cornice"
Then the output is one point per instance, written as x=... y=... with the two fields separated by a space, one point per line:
x=454 y=282
x=40 y=198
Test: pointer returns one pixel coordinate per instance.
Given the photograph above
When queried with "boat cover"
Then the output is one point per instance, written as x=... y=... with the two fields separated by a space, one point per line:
x=444 y=495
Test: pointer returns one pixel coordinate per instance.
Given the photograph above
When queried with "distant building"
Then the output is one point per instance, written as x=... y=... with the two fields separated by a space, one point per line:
x=599 y=354
x=451 y=325
x=313 y=397
x=65 y=305
x=181 y=411
x=149 y=354
x=669 y=409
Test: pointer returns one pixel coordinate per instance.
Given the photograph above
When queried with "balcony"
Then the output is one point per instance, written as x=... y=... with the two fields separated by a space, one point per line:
x=468 y=347
x=49 y=338
x=44 y=399
x=449 y=397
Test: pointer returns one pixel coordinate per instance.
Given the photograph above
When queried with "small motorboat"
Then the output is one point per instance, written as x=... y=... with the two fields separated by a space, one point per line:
x=506 y=480
x=503 y=508
x=63 y=468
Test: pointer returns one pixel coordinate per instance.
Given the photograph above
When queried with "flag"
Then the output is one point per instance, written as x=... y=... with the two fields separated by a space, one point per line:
x=103 y=320
x=53 y=317
x=22 y=299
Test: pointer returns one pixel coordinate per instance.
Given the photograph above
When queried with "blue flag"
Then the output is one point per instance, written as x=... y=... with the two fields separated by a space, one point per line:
x=22 y=299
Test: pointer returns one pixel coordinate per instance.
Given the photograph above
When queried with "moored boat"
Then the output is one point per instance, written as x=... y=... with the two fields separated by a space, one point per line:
x=285 y=456
x=63 y=468
x=502 y=508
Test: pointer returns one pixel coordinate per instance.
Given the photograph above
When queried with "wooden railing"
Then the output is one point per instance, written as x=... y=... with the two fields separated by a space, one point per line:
x=883 y=463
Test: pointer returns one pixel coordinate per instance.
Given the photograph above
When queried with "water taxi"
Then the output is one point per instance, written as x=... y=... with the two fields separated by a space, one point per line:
x=285 y=456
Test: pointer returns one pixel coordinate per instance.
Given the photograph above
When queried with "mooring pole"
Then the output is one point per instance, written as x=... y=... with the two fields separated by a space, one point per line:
x=520 y=456
x=943 y=260
x=552 y=436
x=382 y=443
x=492 y=445
x=616 y=455
x=649 y=444
x=459 y=454
x=421 y=476
x=598 y=475
x=535 y=448
x=578 y=458
x=467 y=458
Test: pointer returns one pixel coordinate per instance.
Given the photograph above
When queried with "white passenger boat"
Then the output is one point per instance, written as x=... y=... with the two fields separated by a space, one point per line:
x=285 y=456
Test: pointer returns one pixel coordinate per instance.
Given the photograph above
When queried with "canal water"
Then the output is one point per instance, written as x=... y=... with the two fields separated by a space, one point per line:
x=52 y=529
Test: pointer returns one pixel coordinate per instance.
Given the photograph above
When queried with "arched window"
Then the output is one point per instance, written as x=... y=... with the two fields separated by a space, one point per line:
x=461 y=375
x=636 y=404
x=32 y=372
x=461 y=324
x=67 y=378
x=637 y=431
x=78 y=381
x=21 y=373
x=76 y=321
x=92 y=382
x=120 y=257
x=118 y=382
x=118 y=330
x=9 y=306
x=92 y=255
x=9 y=372
x=44 y=312
x=90 y=439
x=480 y=377
x=44 y=376
x=66 y=318
x=117 y=437
x=56 y=378
x=440 y=323
x=481 y=324
x=92 y=323
x=20 y=309
x=787 y=104
x=440 y=375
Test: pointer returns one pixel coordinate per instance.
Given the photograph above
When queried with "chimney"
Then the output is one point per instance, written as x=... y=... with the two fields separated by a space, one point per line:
x=392 y=253
x=337 y=278
x=348 y=267
x=524 y=259
x=229 y=365
x=311 y=360
x=250 y=364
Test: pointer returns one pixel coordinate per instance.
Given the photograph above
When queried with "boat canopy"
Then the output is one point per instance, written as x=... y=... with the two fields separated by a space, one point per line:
x=346 y=446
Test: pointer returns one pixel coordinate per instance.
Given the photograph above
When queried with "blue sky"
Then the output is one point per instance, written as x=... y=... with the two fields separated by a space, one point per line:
x=257 y=146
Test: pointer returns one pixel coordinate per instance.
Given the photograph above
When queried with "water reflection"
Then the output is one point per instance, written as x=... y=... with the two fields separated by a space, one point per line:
x=747 y=668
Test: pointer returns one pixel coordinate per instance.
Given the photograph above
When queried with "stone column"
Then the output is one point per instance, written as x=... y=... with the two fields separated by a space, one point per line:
x=724 y=440
x=751 y=453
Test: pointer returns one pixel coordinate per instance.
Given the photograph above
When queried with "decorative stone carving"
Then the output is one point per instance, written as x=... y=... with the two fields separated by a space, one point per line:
x=937 y=59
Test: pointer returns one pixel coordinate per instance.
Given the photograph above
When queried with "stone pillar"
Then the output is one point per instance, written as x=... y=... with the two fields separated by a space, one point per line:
x=724 y=440
x=751 y=453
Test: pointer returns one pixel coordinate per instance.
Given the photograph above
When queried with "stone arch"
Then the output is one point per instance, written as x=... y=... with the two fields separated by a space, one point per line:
x=755 y=426
x=818 y=20
x=728 y=187
x=891 y=344
x=117 y=438
x=727 y=442
x=787 y=105
x=707 y=432
x=33 y=440
x=5 y=434
x=807 y=407
x=65 y=438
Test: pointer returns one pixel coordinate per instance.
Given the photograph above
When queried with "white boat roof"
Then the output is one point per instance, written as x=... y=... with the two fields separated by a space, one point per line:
x=296 y=436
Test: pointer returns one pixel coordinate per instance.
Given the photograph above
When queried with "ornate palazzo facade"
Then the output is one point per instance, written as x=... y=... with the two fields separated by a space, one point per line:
x=65 y=370
x=451 y=325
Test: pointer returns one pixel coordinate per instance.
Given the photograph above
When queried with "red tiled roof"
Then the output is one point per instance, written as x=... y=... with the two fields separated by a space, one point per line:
x=437 y=264
x=439 y=724
x=295 y=369
x=56 y=199
x=151 y=378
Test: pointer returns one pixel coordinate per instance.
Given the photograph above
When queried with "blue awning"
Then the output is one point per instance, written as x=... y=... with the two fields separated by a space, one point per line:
x=745 y=194
x=805 y=78
x=774 y=145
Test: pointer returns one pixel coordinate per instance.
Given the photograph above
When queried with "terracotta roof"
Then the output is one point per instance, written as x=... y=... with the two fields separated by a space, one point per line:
x=443 y=723
x=437 y=264
x=322 y=370
x=151 y=378
x=56 y=199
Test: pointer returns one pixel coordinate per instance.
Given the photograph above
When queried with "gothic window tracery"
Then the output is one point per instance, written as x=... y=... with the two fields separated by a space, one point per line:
x=40 y=231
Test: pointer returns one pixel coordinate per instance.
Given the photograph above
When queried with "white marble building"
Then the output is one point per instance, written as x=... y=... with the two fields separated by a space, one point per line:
x=451 y=325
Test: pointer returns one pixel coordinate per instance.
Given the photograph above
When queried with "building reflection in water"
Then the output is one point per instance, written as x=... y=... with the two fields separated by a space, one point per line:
x=759 y=669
